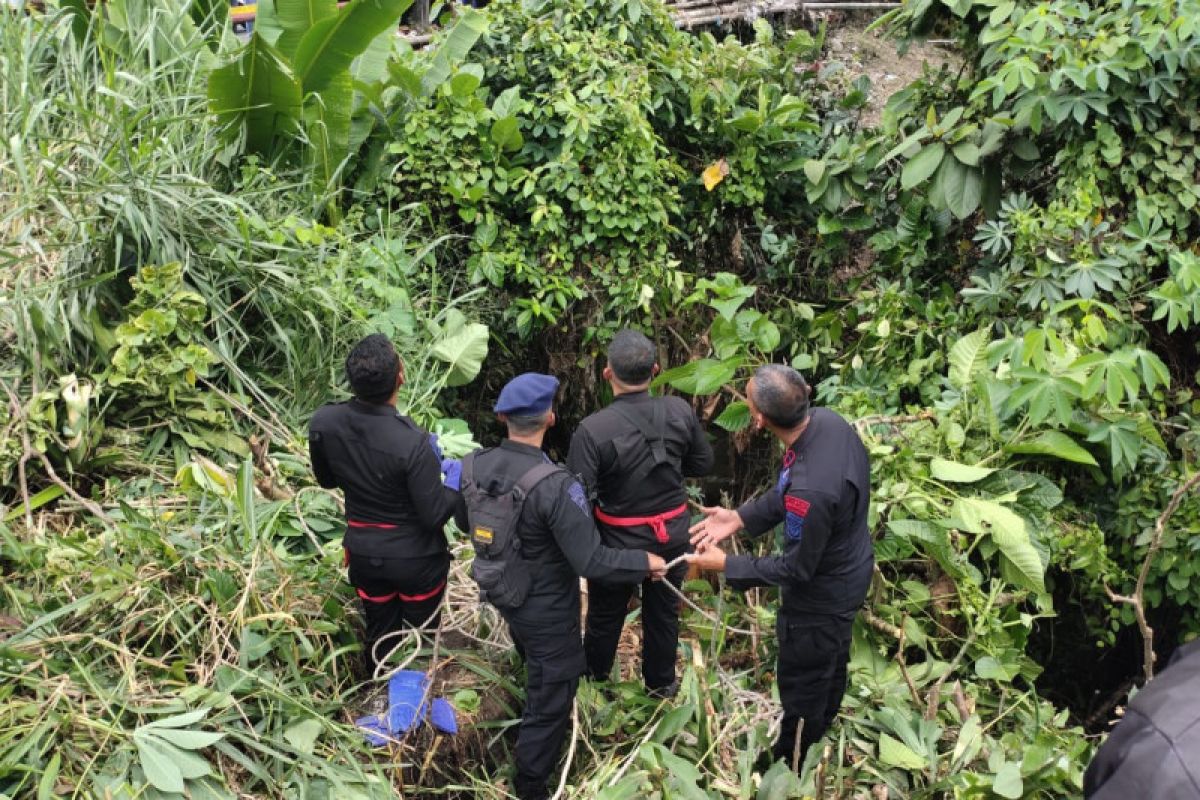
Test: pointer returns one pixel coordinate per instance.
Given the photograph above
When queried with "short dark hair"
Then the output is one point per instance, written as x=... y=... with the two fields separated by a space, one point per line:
x=371 y=369
x=781 y=394
x=526 y=424
x=631 y=357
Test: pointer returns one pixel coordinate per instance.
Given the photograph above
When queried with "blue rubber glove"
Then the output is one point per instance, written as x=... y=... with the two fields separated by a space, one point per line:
x=437 y=449
x=452 y=468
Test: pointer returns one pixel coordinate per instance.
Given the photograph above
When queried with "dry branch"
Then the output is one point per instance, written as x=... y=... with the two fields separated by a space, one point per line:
x=1138 y=598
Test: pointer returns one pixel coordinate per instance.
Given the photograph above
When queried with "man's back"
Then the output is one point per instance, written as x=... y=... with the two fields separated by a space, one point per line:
x=555 y=527
x=612 y=456
x=388 y=473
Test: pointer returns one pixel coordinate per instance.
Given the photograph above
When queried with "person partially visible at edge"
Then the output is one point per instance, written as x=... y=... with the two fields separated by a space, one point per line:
x=825 y=568
x=1154 y=752
x=396 y=504
x=558 y=535
x=633 y=457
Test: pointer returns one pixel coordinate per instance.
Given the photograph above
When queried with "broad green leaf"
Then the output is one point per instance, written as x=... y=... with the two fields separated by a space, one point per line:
x=453 y=48
x=673 y=722
x=506 y=134
x=952 y=471
x=45 y=789
x=256 y=98
x=1007 y=530
x=918 y=168
x=961 y=187
x=967 y=153
x=1043 y=393
x=1008 y=781
x=1054 y=443
x=896 y=753
x=970 y=740
x=814 y=170
x=464 y=350
x=303 y=735
x=158 y=764
x=296 y=18
x=990 y=669
x=507 y=103
x=330 y=46
x=779 y=783
x=466 y=80
x=968 y=357
x=703 y=376
x=178 y=721
x=735 y=417
x=187 y=739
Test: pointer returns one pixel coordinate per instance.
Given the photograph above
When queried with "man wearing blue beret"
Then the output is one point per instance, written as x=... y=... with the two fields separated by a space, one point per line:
x=558 y=543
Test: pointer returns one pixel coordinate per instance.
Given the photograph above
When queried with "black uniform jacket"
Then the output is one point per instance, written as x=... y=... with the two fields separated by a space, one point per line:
x=1154 y=752
x=556 y=529
x=386 y=468
x=821 y=497
x=608 y=453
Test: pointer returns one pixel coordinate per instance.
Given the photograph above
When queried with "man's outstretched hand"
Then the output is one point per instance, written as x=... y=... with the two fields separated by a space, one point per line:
x=717 y=526
x=711 y=559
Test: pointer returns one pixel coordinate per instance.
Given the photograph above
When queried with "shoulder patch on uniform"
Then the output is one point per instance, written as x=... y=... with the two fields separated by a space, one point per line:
x=796 y=505
x=579 y=497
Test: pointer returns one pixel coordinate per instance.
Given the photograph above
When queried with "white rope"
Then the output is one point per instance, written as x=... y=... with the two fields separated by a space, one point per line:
x=678 y=593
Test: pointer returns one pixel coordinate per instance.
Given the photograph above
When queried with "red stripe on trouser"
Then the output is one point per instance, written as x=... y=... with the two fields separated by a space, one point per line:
x=354 y=523
x=408 y=598
x=657 y=522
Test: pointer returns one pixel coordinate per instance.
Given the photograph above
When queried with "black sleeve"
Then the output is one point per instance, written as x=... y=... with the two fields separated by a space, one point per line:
x=433 y=502
x=571 y=523
x=762 y=513
x=808 y=524
x=583 y=459
x=460 y=513
x=320 y=465
x=698 y=460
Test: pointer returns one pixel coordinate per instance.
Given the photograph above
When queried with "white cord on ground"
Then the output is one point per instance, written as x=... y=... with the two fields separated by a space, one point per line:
x=562 y=781
x=671 y=565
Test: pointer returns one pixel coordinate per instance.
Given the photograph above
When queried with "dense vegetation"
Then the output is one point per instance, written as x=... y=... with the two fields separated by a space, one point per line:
x=999 y=284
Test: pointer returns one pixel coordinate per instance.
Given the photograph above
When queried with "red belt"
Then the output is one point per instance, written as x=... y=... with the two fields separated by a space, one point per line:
x=353 y=523
x=657 y=522
x=408 y=598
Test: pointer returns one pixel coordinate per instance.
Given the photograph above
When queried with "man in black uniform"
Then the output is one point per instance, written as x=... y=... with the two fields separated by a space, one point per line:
x=827 y=561
x=1154 y=752
x=633 y=457
x=558 y=535
x=396 y=505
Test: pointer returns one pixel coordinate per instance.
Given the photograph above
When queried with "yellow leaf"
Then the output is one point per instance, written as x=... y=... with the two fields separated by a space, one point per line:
x=714 y=174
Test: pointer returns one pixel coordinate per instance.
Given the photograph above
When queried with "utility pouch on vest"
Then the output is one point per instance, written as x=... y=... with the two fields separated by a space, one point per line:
x=652 y=433
x=503 y=574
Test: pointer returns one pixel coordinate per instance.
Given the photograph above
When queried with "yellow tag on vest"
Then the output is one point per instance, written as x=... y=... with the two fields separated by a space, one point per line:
x=483 y=535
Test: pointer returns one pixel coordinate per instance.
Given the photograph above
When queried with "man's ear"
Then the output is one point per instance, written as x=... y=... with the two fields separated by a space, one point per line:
x=400 y=377
x=655 y=369
x=503 y=418
x=607 y=374
x=551 y=420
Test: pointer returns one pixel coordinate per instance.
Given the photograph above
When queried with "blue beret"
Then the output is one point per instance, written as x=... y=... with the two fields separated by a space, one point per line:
x=527 y=395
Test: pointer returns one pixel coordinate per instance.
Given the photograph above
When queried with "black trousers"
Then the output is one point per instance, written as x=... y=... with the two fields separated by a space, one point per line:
x=811 y=674
x=547 y=635
x=608 y=604
x=396 y=593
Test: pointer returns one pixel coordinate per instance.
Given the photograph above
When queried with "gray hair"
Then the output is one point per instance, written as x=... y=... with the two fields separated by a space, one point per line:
x=781 y=394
